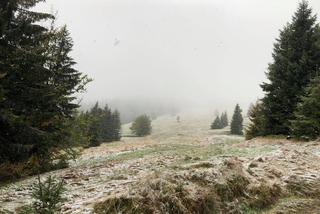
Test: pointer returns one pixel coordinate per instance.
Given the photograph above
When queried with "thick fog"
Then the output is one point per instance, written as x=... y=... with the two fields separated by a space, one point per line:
x=187 y=53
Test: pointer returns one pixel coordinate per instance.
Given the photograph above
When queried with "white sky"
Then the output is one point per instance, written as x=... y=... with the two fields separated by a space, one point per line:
x=206 y=52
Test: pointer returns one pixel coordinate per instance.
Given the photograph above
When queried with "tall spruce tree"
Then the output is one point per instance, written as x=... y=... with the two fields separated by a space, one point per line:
x=307 y=122
x=21 y=58
x=38 y=83
x=296 y=58
x=237 y=121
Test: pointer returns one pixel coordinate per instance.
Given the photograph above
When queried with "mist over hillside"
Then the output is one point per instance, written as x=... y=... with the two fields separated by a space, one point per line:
x=132 y=108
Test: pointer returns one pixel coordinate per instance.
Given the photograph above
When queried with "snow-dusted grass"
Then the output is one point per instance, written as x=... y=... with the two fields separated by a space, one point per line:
x=111 y=168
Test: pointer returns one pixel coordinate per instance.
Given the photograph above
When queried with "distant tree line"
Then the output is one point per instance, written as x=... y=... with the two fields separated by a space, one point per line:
x=236 y=125
x=132 y=108
x=292 y=94
x=220 y=122
x=100 y=125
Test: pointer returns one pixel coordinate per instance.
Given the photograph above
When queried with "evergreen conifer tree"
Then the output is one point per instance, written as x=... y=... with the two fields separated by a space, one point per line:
x=224 y=120
x=95 y=131
x=257 y=119
x=79 y=127
x=216 y=123
x=38 y=84
x=296 y=58
x=141 y=126
x=116 y=126
x=110 y=125
x=307 y=122
x=106 y=125
x=237 y=121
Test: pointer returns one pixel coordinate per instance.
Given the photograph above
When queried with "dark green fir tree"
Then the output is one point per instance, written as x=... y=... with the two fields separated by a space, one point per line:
x=307 y=122
x=216 y=123
x=237 y=121
x=106 y=125
x=224 y=120
x=95 y=130
x=103 y=125
x=257 y=121
x=38 y=85
x=296 y=60
x=116 y=125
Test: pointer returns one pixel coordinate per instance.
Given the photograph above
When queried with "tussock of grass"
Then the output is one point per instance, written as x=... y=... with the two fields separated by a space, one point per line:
x=120 y=205
x=264 y=196
x=235 y=186
x=300 y=196
x=202 y=165
x=175 y=195
x=161 y=196
x=302 y=188
x=15 y=171
x=5 y=212
x=296 y=205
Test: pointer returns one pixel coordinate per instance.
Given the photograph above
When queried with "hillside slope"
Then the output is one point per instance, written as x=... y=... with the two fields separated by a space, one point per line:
x=277 y=174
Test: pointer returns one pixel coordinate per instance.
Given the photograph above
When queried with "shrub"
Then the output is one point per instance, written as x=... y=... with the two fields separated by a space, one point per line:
x=141 y=126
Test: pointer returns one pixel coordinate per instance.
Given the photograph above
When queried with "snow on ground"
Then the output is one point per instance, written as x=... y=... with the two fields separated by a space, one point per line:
x=113 y=168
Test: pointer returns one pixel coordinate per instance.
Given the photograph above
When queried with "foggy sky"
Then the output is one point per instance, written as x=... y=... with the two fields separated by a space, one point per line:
x=209 y=53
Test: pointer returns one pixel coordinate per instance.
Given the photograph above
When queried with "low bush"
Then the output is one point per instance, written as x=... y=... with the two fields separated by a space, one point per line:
x=141 y=126
x=47 y=196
